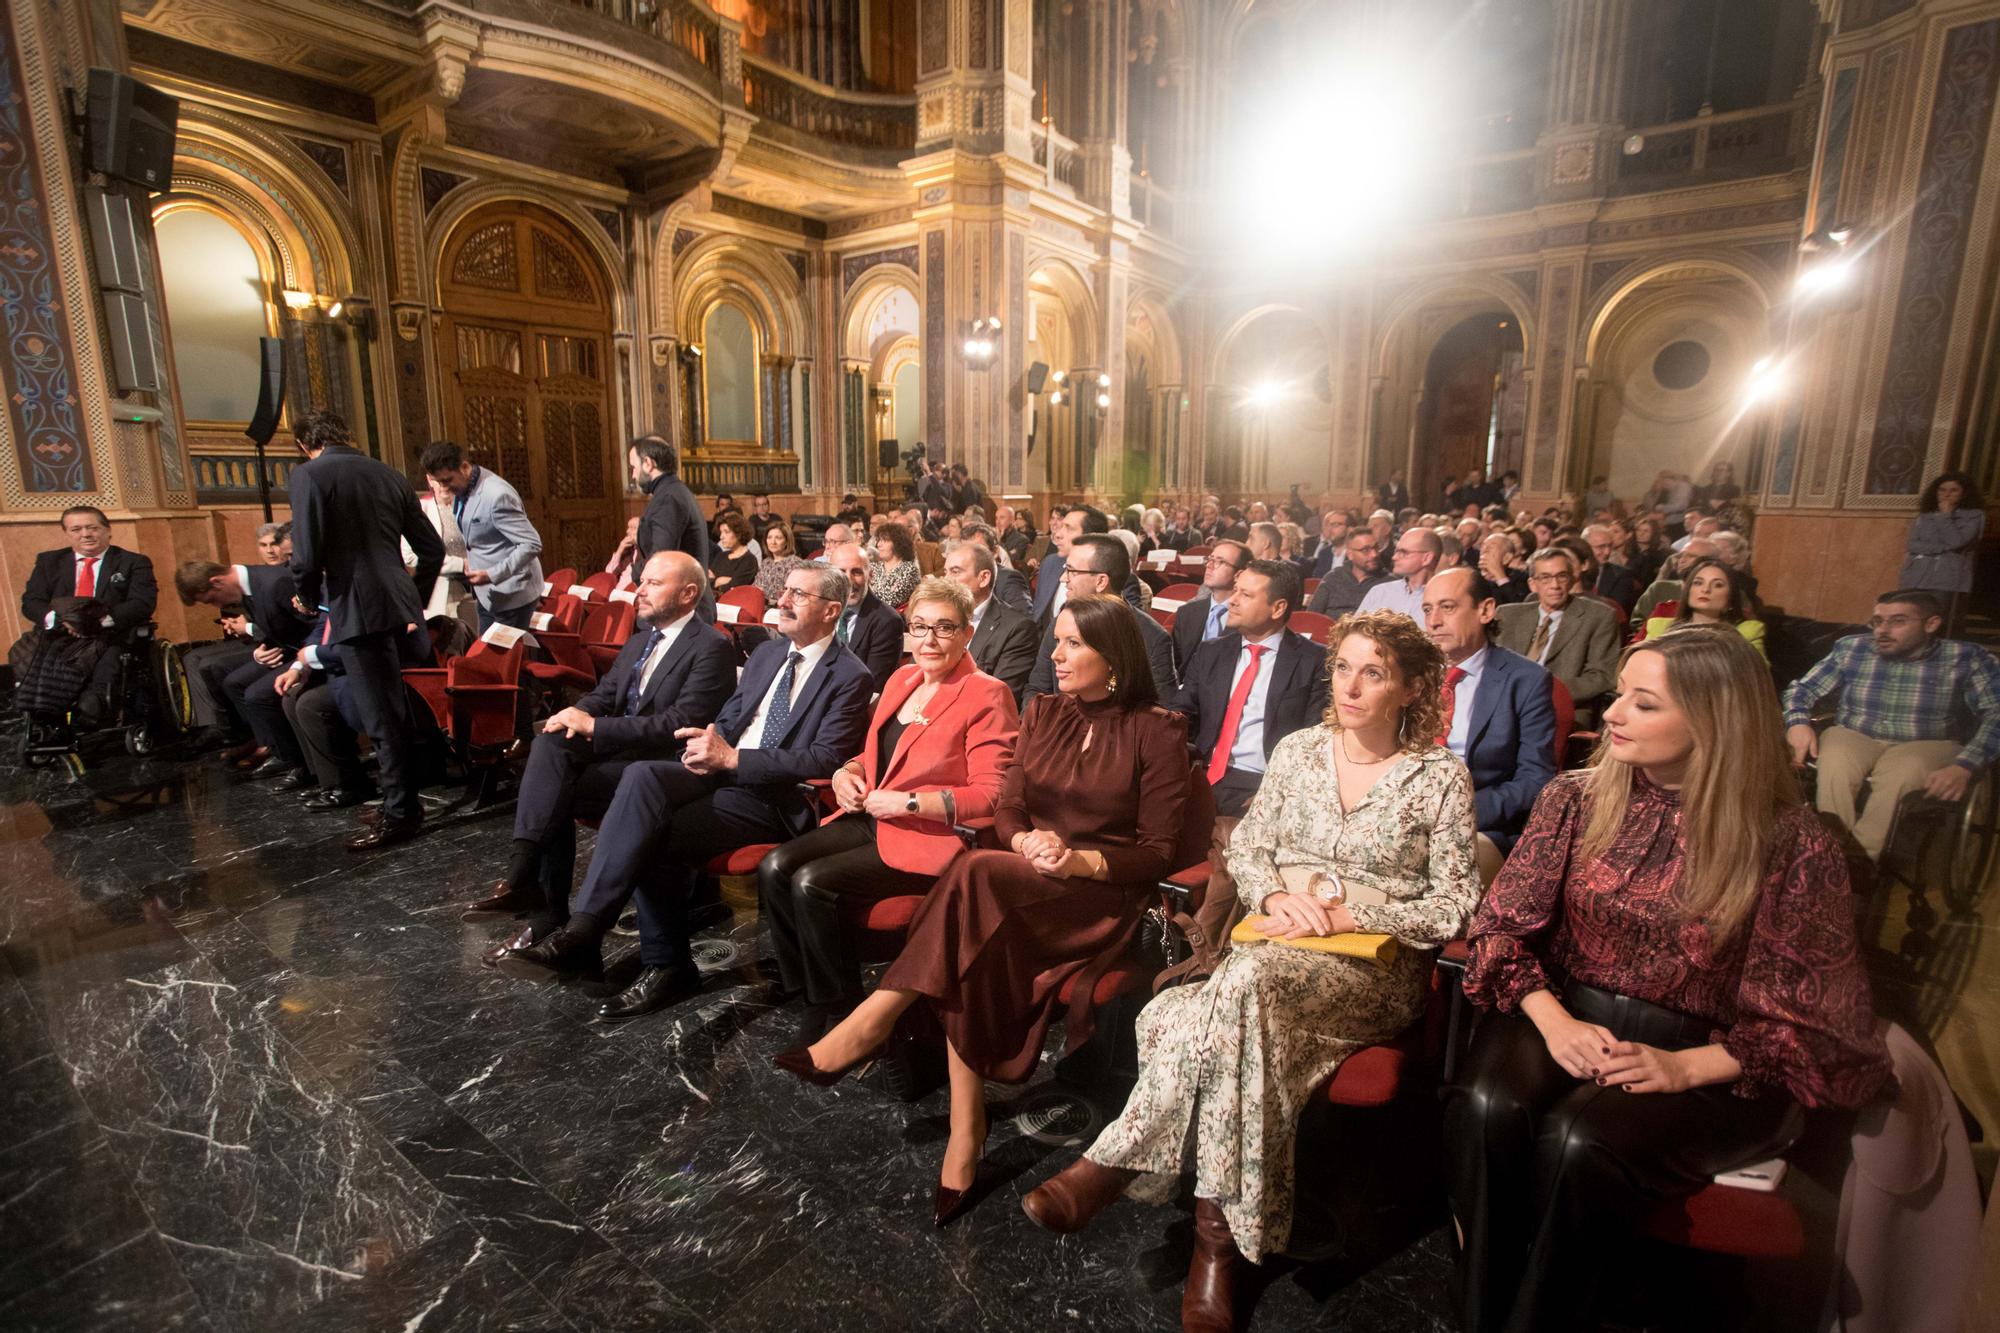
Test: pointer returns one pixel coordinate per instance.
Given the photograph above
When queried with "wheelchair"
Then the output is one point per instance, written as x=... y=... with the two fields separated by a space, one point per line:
x=149 y=705
x=1949 y=844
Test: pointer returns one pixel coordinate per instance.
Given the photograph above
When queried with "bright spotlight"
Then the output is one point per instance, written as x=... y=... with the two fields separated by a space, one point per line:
x=972 y=347
x=1055 y=399
x=1104 y=381
x=1267 y=394
x=1766 y=380
x=1104 y=400
x=1828 y=275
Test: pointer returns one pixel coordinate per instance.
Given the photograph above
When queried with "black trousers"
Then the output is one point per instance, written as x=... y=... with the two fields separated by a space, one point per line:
x=565 y=781
x=1549 y=1174
x=375 y=684
x=328 y=743
x=663 y=825
x=251 y=690
x=207 y=665
x=802 y=887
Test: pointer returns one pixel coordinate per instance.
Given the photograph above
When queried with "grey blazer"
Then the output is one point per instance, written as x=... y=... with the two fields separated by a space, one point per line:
x=500 y=540
x=1584 y=655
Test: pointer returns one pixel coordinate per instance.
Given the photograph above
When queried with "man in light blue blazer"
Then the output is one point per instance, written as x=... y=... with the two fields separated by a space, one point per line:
x=502 y=548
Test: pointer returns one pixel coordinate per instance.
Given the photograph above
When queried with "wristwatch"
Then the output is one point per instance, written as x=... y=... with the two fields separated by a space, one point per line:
x=911 y=804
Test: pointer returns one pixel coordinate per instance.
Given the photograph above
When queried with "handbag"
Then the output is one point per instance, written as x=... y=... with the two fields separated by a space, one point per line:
x=1380 y=950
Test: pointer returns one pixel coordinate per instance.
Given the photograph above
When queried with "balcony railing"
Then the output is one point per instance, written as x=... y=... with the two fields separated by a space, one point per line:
x=1058 y=159
x=1152 y=206
x=1753 y=142
x=857 y=120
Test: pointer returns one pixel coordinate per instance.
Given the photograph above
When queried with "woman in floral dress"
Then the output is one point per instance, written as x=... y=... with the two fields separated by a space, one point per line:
x=1368 y=794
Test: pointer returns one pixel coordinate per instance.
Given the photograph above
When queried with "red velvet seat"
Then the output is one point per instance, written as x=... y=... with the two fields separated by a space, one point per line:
x=1181 y=592
x=1727 y=1219
x=1312 y=625
x=742 y=861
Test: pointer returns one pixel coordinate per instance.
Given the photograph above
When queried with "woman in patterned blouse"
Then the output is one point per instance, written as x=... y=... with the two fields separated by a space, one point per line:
x=1670 y=964
x=1369 y=798
x=893 y=572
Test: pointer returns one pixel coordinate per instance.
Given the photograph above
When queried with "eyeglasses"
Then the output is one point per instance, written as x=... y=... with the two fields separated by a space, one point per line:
x=1223 y=561
x=944 y=629
x=1071 y=571
x=1552 y=578
x=796 y=593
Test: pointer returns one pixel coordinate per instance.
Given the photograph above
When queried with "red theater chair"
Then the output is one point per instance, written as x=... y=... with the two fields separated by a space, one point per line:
x=475 y=700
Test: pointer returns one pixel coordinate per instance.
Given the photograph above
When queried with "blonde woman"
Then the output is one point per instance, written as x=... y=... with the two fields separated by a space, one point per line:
x=1670 y=964
x=1233 y=1060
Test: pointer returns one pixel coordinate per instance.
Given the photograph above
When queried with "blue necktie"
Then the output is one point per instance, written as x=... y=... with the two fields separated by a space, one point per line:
x=639 y=672
x=781 y=704
x=1215 y=617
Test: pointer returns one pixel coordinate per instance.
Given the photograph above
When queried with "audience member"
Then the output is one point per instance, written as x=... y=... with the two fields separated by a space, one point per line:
x=502 y=549
x=1002 y=640
x=1090 y=814
x=1609 y=579
x=1576 y=638
x=1010 y=586
x=867 y=628
x=780 y=556
x=1371 y=781
x=732 y=563
x=1136 y=591
x=1943 y=540
x=1500 y=565
x=350 y=517
x=1201 y=618
x=799 y=711
x=1499 y=713
x=1331 y=552
x=1649 y=550
x=760 y=517
x=671 y=520
x=1714 y=594
x=938 y=748
x=893 y=572
x=1673 y=926
x=1098 y=564
x=1342 y=591
x=1392 y=494
x=1266 y=542
x=274 y=543
x=1902 y=688
x=120 y=580
x=1418 y=551
x=277 y=629
x=320 y=709
x=624 y=564
x=673 y=674
x=1017 y=533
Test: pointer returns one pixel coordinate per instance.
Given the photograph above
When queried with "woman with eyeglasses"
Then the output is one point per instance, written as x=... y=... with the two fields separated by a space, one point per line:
x=1089 y=817
x=938 y=747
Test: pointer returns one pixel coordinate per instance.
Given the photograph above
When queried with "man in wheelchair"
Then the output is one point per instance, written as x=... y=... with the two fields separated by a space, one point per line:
x=88 y=605
x=1903 y=690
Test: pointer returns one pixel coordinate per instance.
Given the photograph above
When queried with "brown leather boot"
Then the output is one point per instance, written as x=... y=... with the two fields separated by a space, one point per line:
x=1208 y=1303
x=1066 y=1201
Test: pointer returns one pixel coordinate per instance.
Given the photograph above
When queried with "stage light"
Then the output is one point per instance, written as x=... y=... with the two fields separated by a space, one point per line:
x=1055 y=398
x=1104 y=400
x=333 y=311
x=1765 y=381
x=1825 y=276
x=1268 y=393
x=1104 y=381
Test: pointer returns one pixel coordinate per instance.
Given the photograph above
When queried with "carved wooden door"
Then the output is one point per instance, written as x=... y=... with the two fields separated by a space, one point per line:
x=525 y=342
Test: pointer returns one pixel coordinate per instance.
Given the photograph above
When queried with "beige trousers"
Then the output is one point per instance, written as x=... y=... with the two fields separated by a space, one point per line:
x=1890 y=770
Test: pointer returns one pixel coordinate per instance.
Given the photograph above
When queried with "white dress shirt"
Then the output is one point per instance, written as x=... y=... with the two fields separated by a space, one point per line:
x=753 y=733
x=668 y=634
x=1248 y=751
x=1461 y=708
x=1396 y=595
x=1554 y=620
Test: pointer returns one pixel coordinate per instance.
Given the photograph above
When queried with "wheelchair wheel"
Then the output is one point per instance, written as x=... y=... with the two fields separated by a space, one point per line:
x=174 y=714
x=1976 y=832
x=138 y=742
x=73 y=763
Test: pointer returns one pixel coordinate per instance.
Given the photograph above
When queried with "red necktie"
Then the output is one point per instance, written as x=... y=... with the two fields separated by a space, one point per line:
x=1451 y=679
x=86 y=576
x=1232 y=717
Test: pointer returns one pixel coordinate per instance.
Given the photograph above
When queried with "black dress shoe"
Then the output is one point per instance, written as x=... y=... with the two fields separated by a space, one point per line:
x=237 y=752
x=270 y=768
x=561 y=957
x=251 y=759
x=387 y=833
x=656 y=988
x=521 y=939
x=333 y=798
x=296 y=779
x=502 y=904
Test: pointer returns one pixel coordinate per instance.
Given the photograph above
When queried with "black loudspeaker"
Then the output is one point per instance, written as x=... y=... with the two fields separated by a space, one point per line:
x=130 y=135
x=1038 y=375
x=135 y=357
x=270 y=391
x=114 y=239
x=887 y=452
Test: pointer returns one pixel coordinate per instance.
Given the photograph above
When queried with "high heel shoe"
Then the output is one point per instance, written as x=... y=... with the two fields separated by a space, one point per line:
x=948 y=1203
x=798 y=1062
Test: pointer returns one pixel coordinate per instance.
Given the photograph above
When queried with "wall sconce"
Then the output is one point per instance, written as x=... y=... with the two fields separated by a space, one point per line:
x=1103 y=392
x=295 y=300
x=1061 y=378
x=982 y=342
x=357 y=312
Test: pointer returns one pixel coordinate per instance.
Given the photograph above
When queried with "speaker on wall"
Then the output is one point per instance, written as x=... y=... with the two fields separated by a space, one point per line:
x=129 y=135
x=270 y=391
x=114 y=239
x=1038 y=375
x=135 y=361
x=886 y=453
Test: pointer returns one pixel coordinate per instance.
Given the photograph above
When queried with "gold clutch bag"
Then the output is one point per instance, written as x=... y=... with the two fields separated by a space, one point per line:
x=1377 y=949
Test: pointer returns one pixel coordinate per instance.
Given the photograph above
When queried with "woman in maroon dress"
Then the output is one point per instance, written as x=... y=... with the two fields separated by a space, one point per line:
x=1090 y=813
x=1670 y=964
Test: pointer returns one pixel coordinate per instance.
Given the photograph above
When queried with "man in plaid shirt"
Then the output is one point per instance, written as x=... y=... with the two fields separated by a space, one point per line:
x=1900 y=686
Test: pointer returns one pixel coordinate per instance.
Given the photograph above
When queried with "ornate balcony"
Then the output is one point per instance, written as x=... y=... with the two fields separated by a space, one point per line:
x=1718 y=146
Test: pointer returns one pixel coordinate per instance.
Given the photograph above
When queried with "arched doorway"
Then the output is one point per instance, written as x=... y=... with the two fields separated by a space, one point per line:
x=1474 y=410
x=1270 y=406
x=526 y=346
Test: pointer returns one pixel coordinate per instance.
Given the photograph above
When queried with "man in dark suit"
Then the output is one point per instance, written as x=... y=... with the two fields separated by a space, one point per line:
x=869 y=628
x=1203 y=618
x=1003 y=638
x=1499 y=707
x=350 y=515
x=800 y=711
x=671 y=520
x=272 y=623
x=1286 y=684
x=1609 y=579
x=1332 y=548
x=92 y=567
x=967 y=493
x=319 y=707
x=673 y=674
x=1010 y=586
x=1098 y=565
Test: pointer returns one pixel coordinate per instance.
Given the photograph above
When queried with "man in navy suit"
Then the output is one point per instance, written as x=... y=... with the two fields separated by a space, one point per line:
x=800 y=711
x=1281 y=675
x=869 y=627
x=274 y=625
x=1205 y=617
x=350 y=516
x=92 y=567
x=674 y=673
x=319 y=707
x=1099 y=565
x=1500 y=706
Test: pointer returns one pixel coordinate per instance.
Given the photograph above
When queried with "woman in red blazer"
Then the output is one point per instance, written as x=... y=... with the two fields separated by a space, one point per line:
x=940 y=743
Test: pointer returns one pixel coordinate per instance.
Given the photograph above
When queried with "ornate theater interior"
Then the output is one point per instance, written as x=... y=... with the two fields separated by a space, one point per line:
x=1720 y=266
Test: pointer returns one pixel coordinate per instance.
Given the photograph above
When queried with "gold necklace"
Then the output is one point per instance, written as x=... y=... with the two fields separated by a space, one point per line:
x=1360 y=763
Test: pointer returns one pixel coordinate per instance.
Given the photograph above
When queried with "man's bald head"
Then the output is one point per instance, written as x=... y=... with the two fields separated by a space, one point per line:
x=850 y=561
x=669 y=586
x=837 y=534
x=1698 y=548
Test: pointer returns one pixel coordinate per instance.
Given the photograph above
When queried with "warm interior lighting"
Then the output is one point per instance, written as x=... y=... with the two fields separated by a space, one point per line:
x=1269 y=393
x=1765 y=381
x=1828 y=275
x=295 y=299
x=1104 y=400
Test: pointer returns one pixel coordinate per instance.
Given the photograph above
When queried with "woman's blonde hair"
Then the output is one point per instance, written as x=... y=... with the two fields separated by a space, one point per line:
x=1418 y=660
x=936 y=589
x=1739 y=775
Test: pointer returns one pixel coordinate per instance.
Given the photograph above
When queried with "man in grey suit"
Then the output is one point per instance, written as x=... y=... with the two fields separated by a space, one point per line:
x=1099 y=566
x=1003 y=638
x=502 y=548
x=1576 y=638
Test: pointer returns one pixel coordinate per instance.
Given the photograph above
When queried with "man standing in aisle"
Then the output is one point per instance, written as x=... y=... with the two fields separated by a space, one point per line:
x=348 y=512
x=502 y=548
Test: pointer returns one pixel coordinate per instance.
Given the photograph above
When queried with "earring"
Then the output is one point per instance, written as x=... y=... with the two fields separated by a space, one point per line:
x=1114 y=683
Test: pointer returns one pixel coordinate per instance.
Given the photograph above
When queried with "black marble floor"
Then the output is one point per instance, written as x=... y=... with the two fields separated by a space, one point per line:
x=249 y=1081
